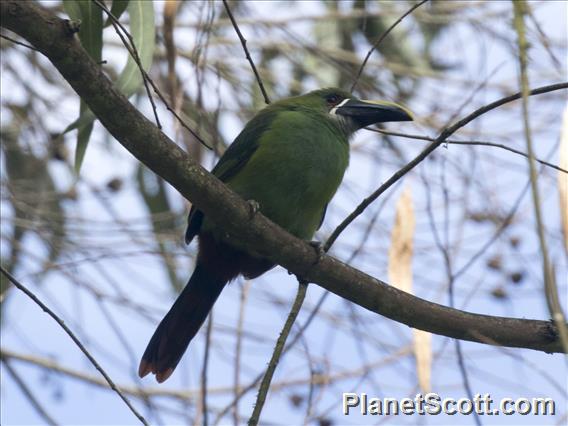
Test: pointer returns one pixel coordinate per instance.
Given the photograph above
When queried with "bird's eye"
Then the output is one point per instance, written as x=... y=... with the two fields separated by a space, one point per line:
x=332 y=100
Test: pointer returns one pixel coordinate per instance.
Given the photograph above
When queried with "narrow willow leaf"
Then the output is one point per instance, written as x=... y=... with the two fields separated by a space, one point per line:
x=83 y=136
x=400 y=276
x=563 y=178
x=143 y=32
x=72 y=9
x=117 y=9
x=91 y=36
x=129 y=81
x=91 y=30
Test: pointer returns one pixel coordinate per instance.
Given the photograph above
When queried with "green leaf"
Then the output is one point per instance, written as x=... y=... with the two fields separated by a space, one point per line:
x=71 y=8
x=142 y=30
x=91 y=31
x=118 y=7
x=143 y=33
x=83 y=137
x=91 y=36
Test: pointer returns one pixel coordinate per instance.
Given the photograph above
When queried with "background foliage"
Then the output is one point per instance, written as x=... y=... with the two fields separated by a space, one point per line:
x=103 y=245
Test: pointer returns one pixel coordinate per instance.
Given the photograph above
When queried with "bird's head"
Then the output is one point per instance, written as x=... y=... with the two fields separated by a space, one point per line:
x=350 y=112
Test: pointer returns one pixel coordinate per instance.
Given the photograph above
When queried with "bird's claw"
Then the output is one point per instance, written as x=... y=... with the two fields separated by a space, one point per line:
x=254 y=207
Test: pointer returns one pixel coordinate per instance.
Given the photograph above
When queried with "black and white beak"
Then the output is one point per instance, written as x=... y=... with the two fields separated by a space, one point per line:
x=365 y=113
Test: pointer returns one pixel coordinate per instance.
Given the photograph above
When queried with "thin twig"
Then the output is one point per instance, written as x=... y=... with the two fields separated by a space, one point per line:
x=134 y=53
x=447 y=132
x=550 y=288
x=204 y=414
x=311 y=384
x=247 y=53
x=59 y=321
x=94 y=380
x=237 y=370
x=27 y=391
x=252 y=384
x=18 y=42
x=381 y=38
x=465 y=378
x=265 y=385
x=502 y=227
x=175 y=114
x=145 y=77
x=170 y=10
x=478 y=143
x=444 y=249
x=180 y=395
x=544 y=40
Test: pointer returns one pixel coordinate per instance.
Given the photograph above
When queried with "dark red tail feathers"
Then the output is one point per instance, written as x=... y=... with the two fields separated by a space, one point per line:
x=217 y=264
x=181 y=324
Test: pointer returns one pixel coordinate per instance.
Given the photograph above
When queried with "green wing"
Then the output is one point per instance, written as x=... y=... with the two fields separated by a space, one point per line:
x=244 y=146
x=233 y=160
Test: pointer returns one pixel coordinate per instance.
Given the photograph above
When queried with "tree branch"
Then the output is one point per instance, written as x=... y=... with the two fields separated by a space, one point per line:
x=77 y=342
x=444 y=134
x=277 y=353
x=468 y=142
x=381 y=38
x=28 y=393
x=247 y=53
x=53 y=37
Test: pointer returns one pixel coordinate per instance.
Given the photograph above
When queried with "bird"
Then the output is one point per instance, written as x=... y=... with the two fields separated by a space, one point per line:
x=288 y=160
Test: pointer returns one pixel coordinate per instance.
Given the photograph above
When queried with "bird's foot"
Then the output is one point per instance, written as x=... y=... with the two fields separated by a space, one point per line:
x=254 y=207
x=318 y=247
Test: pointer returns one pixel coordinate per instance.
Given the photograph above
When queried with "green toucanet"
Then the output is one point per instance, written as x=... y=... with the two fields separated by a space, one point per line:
x=290 y=159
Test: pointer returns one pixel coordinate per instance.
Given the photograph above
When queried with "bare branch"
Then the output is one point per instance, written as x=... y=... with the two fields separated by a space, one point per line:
x=381 y=38
x=18 y=42
x=77 y=342
x=265 y=384
x=131 y=47
x=204 y=410
x=247 y=53
x=29 y=394
x=448 y=131
x=145 y=77
x=550 y=288
x=477 y=143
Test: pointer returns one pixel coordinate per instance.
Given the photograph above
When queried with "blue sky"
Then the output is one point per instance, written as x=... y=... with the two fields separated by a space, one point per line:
x=332 y=339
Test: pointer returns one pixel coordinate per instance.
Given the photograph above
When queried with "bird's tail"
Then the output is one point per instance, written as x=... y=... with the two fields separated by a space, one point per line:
x=181 y=324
